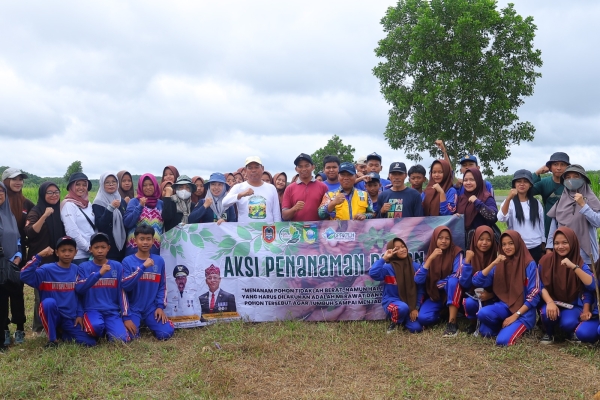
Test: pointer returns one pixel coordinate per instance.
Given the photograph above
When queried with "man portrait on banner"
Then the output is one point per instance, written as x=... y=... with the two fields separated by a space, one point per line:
x=183 y=299
x=216 y=300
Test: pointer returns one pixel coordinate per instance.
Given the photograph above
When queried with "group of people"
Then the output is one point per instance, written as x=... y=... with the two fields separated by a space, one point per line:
x=95 y=263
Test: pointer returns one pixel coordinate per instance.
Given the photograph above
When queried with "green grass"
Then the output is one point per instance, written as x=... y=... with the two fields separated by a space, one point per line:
x=31 y=193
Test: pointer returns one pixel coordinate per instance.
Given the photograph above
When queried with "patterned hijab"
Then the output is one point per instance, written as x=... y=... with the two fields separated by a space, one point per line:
x=152 y=200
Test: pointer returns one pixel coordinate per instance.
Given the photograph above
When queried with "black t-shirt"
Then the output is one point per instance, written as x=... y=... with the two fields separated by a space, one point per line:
x=405 y=203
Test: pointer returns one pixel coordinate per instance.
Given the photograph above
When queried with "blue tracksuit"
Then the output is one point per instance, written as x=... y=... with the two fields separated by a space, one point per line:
x=447 y=207
x=147 y=295
x=104 y=300
x=568 y=319
x=429 y=313
x=394 y=306
x=59 y=304
x=492 y=316
x=471 y=305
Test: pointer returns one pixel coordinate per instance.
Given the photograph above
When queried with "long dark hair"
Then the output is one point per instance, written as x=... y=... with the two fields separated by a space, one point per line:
x=534 y=213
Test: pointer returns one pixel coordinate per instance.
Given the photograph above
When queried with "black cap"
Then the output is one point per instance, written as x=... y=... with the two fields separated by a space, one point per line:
x=79 y=176
x=180 y=270
x=99 y=237
x=347 y=167
x=303 y=156
x=66 y=240
x=374 y=176
x=558 y=157
x=397 y=167
x=374 y=156
x=522 y=174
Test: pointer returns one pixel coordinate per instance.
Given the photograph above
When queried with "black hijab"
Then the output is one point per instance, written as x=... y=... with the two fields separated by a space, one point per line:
x=56 y=229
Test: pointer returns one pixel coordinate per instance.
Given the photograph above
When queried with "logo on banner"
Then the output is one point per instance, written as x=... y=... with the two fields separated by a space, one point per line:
x=268 y=233
x=289 y=234
x=309 y=233
x=330 y=234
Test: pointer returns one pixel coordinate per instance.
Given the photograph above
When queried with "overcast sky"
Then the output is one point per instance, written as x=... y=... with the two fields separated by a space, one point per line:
x=202 y=85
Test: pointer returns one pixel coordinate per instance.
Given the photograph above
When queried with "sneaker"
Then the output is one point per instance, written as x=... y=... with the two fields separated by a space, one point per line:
x=574 y=339
x=471 y=329
x=19 y=337
x=7 y=338
x=451 y=330
x=547 y=339
x=51 y=345
x=392 y=327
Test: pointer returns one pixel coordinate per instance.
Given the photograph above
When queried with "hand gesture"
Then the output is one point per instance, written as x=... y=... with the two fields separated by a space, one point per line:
x=508 y=321
x=440 y=144
x=360 y=217
x=116 y=203
x=499 y=259
x=49 y=211
x=220 y=221
x=388 y=254
x=127 y=199
x=579 y=199
x=386 y=207
x=143 y=201
x=130 y=326
x=436 y=252
x=168 y=191
x=299 y=206
x=438 y=188
x=79 y=321
x=511 y=194
x=47 y=252
x=159 y=316
x=552 y=311
x=472 y=199
x=469 y=256
x=414 y=314
x=248 y=192
x=568 y=263
x=585 y=316
x=542 y=170
x=105 y=268
x=339 y=198
x=208 y=202
x=148 y=263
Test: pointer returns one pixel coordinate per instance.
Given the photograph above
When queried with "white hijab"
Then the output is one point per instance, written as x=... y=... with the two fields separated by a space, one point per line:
x=104 y=199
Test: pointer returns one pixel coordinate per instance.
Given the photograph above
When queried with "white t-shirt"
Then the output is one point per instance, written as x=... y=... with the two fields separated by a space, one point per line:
x=533 y=236
x=78 y=227
x=262 y=206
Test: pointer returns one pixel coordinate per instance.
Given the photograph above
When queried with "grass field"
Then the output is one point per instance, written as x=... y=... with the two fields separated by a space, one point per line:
x=294 y=359
x=31 y=192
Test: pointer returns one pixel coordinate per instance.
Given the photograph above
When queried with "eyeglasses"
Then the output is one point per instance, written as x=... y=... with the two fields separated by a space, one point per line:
x=55 y=193
x=113 y=183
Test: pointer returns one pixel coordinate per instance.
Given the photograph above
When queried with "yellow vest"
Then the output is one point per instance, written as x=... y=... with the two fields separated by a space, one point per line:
x=359 y=204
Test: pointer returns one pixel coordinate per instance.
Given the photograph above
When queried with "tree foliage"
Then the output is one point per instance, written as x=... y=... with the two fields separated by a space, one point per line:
x=457 y=70
x=334 y=147
x=74 y=167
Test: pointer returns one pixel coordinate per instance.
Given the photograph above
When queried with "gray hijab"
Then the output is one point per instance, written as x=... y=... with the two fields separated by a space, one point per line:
x=217 y=202
x=104 y=199
x=9 y=231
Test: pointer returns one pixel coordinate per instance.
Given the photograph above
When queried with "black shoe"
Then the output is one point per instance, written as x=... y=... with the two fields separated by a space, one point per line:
x=451 y=330
x=51 y=345
x=547 y=339
x=392 y=327
x=574 y=339
x=3 y=348
x=471 y=329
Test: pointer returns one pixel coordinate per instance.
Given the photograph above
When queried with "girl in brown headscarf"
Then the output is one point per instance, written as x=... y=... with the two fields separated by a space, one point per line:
x=280 y=182
x=401 y=294
x=170 y=174
x=126 y=185
x=230 y=179
x=514 y=279
x=439 y=197
x=440 y=274
x=482 y=252
x=267 y=177
x=568 y=280
x=200 y=192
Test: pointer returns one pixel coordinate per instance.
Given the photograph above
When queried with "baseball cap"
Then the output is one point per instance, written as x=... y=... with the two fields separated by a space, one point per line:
x=469 y=158
x=347 y=167
x=99 y=237
x=398 y=167
x=11 y=173
x=252 y=159
x=374 y=176
x=66 y=240
x=303 y=156
x=361 y=160
x=374 y=156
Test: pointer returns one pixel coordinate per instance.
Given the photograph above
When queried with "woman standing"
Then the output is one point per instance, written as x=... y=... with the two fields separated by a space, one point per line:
x=439 y=197
x=476 y=203
x=267 y=177
x=146 y=209
x=200 y=193
x=11 y=245
x=178 y=206
x=212 y=210
x=78 y=216
x=514 y=279
x=523 y=213
x=109 y=209
x=43 y=229
x=125 y=185
x=280 y=182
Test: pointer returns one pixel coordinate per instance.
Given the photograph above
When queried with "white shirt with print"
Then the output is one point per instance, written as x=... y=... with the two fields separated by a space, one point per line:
x=262 y=206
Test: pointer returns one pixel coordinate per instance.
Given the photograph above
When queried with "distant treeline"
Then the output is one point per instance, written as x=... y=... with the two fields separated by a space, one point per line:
x=34 y=180
x=503 y=182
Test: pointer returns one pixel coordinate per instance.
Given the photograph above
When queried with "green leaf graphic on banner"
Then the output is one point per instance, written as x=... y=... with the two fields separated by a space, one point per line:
x=242 y=249
x=257 y=244
x=177 y=234
x=193 y=228
x=184 y=236
x=272 y=248
x=179 y=250
x=243 y=233
x=169 y=234
x=227 y=243
x=380 y=243
x=205 y=233
x=257 y=226
x=197 y=240
x=173 y=250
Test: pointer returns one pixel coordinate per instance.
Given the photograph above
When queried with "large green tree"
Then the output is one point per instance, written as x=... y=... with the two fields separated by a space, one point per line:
x=457 y=70
x=334 y=147
x=74 y=167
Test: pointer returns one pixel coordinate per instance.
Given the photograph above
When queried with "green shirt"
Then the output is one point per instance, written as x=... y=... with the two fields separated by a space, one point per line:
x=550 y=192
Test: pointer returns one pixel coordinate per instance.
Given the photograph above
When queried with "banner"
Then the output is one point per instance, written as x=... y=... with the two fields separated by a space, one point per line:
x=317 y=271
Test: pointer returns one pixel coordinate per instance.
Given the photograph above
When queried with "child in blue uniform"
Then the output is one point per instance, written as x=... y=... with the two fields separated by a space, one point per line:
x=401 y=295
x=566 y=278
x=441 y=275
x=102 y=288
x=515 y=281
x=148 y=298
x=60 y=307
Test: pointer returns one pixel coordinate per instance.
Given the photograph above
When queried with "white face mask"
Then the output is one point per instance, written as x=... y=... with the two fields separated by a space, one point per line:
x=183 y=194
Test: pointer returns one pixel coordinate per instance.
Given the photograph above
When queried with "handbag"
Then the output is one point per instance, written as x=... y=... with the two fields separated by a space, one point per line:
x=10 y=273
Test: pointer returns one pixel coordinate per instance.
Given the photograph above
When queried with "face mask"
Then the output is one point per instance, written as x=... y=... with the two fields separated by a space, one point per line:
x=183 y=194
x=574 y=184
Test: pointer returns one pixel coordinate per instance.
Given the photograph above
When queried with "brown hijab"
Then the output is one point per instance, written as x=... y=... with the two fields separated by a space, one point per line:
x=163 y=185
x=510 y=275
x=196 y=198
x=19 y=205
x=125 y=193
x=467 y=208
x=431 y=202
x=405 y=276
x=271 y=181
x=173 y=170
x=280 y=191
x=481 y=260
x=441 y=266
x=561 y=282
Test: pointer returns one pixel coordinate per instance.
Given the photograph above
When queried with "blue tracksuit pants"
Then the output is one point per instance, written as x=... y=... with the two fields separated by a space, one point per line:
x=53 y=320
x=110 y=324
x=399 y=313
x=162 y=331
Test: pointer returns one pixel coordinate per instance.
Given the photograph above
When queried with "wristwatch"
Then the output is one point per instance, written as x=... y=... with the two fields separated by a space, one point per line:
x=519 y=313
